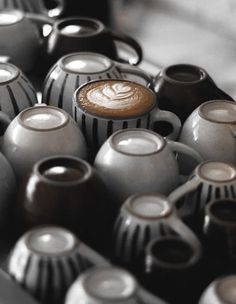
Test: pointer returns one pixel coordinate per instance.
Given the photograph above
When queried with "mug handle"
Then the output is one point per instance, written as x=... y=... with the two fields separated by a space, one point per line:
x=169 y=117
x=132 y=70
x=120 y=37
x=40 y=21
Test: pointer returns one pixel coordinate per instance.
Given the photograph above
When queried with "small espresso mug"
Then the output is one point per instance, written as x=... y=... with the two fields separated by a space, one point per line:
x=181 y=88
x=104 y=106
x=73 y=70
x=210 y=180
x=78 y=34
x=139 y=160
x=211 y=130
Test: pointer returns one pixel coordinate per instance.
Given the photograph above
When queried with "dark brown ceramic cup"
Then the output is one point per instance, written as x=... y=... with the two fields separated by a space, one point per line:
x=181 y=88
x=67 y=191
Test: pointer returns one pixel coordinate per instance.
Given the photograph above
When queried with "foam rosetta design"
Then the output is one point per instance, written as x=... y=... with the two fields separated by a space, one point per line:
x=115 y=96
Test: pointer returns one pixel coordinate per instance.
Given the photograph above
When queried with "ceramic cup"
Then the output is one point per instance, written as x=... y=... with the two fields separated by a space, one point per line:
x=38 y=132
x=16 y=92
x=20 y=37
x=73 y=70
x=211 y=130
x=67 y=191
x=104 y=106
x=142 y=218
x=102 y=285
x=78 y=34
x=210 y=180
x=220 y=291
x=46 y=260
x=139 y=160
x=181 y=88
x=37 y=7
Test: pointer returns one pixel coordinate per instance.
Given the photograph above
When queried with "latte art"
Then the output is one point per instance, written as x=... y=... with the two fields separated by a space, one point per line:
x=115 y=98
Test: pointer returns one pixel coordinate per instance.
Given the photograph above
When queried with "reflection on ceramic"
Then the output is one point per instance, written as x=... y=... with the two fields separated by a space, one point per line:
x=73 y=70
x=46 y=260
x=142 y=218
x=211 y=130
x=220 y=291
x=181 y=88
x=38 y=132
x=138 y=160
x=211 y=180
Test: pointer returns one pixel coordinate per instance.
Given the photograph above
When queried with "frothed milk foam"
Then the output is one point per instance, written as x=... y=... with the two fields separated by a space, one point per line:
x=115 y=98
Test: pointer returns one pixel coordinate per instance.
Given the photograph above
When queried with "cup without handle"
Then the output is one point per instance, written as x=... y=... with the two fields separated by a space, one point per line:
x=132 y=43
x=169 y=117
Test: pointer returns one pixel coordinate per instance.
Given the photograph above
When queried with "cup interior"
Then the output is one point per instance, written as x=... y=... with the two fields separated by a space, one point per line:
x=110 y=283
x=218 y=111
x=217 y=171
x=226 y=289
x=50 y=241
x=185 y=73
x=86 y=63
x=224 y=210
x=78 y=27
x=9 y=17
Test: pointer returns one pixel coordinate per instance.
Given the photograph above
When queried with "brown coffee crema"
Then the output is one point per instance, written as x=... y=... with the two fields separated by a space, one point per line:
x=115 y=98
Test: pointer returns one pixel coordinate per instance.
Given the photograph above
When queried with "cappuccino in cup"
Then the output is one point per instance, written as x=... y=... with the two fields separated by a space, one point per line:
x=104 y=106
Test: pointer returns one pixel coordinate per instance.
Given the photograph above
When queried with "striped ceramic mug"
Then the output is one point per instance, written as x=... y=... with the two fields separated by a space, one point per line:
x=104 y=106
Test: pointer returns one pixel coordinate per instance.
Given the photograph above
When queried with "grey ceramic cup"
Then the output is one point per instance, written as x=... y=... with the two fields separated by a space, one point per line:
x=142 y=218
x=37 y=7
x=210 y=180
x=16 y=91
x=98 y=127
x=139 y=160
x=111 y=284
x=220 y=291
x=20 y=37
x=211 y=130
x=46 y=260
x=73 y=70
x=38 y=132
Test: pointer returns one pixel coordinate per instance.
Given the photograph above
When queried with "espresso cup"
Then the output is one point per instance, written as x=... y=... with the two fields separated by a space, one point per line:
x=78 y=34
x=73 y=70
x=104 y=106
x=46 y=260
x=139 y=160
x=210 y=180
x=37 y=7
x=211 y=130
x=220 y=291
x=181 y=88
x=38 y=132
x=20 y=37
x=16 y=91
x=142 y=218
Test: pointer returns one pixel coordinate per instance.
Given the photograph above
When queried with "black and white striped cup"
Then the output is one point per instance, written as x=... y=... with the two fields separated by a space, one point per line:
x=73 y=70
x=104 y=106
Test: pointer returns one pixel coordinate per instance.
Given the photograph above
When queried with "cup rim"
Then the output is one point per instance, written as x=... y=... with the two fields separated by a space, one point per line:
x=200 y=70
x=194 y=258
x=198 y=171
x=203 y=116
x=15 y=70
x=37 y=169
x=214 y=218
x=111 y=118
x=58 y=24
x=27 y=235
x=62 y=66
x=19 y=13
x=169 y=208
x=139 y=130
x=19 y=118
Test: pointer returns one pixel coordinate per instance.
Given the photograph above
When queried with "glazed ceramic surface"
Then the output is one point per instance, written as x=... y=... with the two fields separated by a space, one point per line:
x=73 y=70
x=38 y=132
x=138 y=160
x=211 y=130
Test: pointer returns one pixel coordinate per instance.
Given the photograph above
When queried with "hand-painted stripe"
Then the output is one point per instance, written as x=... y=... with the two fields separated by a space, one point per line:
x=61 y=95
x=26 y=94
x=13 y=100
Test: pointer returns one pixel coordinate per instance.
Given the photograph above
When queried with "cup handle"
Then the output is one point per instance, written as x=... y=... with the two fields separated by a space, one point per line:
x=130 y=42
x=132 y=70
x=40 y=21
x=92 y=256
x=169 y=117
